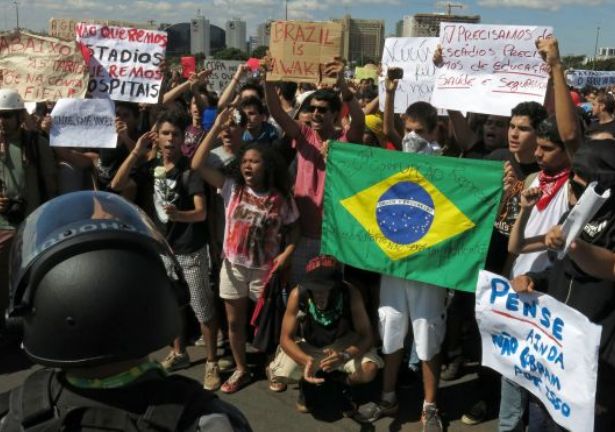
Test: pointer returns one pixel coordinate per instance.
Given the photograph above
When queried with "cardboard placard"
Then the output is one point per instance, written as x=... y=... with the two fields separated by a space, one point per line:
x=300 y=49
x=124 y=62
x=490 y=69
x=42 y=68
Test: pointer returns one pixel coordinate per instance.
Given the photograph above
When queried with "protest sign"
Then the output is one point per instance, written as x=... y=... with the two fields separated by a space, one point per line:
x=42 y=68
x=222 y=72
x=64 y=28
x=83 y=123
x=543 y=345
x=415 y=57
x=188 y=66
x=490 y=68
x=300 y=49
x=598 y=79
x=365 y=72
x=124 y=62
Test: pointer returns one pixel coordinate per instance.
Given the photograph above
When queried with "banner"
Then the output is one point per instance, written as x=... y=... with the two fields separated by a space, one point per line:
x=124 y=62
x=543 y=345
x=42 y=68
x=417 y=217
x=300 y=49
x=86 y=123
x=64 y=28
x=222 y=72
x=415 y=57
x=490 y=69
x=582 y=78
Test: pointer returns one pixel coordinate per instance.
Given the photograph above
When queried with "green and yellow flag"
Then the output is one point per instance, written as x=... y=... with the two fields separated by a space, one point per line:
x=417 y=217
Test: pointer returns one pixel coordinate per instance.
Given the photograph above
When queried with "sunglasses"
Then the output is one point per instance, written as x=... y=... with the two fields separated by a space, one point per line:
x=319 y=109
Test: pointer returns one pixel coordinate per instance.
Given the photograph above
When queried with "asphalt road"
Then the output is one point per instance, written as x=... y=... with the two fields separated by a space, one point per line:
x=272 y=412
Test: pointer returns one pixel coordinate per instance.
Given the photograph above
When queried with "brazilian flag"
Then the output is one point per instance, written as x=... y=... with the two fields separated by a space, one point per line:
x=417 y=217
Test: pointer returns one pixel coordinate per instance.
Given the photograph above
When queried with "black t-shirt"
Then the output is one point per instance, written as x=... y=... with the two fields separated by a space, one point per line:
x=178 y=188
x=109 y=162
x=604 y=127
x=510 y=207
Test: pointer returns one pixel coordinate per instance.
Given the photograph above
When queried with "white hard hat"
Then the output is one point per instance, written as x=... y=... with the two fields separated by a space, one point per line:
x=10 y=100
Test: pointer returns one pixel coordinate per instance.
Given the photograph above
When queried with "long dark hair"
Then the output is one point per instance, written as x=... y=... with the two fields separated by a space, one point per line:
x=276 y=173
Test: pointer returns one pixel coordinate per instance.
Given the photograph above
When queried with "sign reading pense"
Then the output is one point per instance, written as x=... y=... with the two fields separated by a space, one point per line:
x=42 y=68
x=415 y=56
x=300 y=49
x=490 y=69
x=543 y=345
x=124 y=62
x=83 y=123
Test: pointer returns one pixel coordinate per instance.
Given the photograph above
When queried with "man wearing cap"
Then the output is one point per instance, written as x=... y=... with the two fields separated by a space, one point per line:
x=27 y=177
x=325 y=330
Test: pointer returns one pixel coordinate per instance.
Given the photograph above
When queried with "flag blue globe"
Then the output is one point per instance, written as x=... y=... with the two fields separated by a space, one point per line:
x=405 y=213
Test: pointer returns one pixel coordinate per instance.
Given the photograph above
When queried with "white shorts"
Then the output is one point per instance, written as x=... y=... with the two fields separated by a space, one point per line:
x=424 y=304
x=237 y=282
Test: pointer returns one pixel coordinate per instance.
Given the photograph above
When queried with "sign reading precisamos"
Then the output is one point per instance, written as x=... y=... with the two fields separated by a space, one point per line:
x=490 y=69
x=83 y=123
x=124 y=62
x=415 y=56
x=543 y=345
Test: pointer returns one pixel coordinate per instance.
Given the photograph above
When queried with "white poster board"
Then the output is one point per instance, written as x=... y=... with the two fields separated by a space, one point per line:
x=543 y=345
x=86 y=123
x=490 y=69
x=582 y=78
x=222 y=72
x=415 y=56
x=124 y=62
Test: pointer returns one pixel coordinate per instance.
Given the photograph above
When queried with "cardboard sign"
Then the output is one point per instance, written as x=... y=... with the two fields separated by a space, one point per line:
x=300 y=49
x=83 y=123
x=543 y=345
x=64 y=28
x=365 y=72
x=42 y=68
x=415 y=57
x=222 y=72
x=188 y=66
x=124 y=62
x=490 y=68
x=582 y=78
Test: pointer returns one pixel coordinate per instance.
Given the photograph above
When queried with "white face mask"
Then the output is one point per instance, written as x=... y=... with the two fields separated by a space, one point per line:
x=414 y=143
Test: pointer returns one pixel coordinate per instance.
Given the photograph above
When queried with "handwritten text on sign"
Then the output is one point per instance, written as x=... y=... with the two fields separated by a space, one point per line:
x=415 y=57
x=124 y=62
x=42 y=68
x=83 y=123
x=300 y=49
x=222 y=72
x=490 y=68
x=542 y=345
x=598 y=79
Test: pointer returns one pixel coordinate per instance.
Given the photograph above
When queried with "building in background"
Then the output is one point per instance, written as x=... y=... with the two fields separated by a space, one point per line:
x=217 y=39
x=428 y=25
x=399 y=28
x=178 y=38
x=236 y=34
x=263 y=32
x=605 y=53
x=362 y=39
x=200 y=36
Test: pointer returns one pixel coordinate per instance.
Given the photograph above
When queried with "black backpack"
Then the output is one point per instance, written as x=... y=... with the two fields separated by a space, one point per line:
x=174 y=403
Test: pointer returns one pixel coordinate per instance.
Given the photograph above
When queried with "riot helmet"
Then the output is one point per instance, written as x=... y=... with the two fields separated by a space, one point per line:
x=88 y=282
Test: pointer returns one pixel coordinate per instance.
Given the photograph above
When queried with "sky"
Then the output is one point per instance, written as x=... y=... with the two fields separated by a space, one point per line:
x=576 y=22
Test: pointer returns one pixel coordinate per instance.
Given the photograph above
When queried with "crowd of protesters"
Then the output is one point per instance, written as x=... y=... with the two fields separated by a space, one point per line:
x=235 y=182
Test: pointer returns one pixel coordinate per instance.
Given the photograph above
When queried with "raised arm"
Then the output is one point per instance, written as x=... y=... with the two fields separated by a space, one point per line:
x=229 y=92
x=565 y=112
x=372 y=106
x=517 y=243
x=193 y=81
x=290 y=127
x=357 y=116
x=121 y=178
x=199 y=160
x=388 y=126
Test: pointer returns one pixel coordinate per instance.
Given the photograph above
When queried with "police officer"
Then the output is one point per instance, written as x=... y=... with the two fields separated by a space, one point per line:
x=89 y=288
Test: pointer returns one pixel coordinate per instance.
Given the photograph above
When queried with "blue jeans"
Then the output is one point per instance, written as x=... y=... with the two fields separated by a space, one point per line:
x=513 y=400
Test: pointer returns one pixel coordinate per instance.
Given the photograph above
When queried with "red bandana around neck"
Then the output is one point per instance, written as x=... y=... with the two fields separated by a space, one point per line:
x=550 y=185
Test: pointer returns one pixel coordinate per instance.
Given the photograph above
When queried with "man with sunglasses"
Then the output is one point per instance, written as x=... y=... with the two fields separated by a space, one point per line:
x=27 y=177
x=325 y=106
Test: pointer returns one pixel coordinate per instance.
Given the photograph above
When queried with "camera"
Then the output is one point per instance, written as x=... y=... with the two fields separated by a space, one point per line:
x=395 y=73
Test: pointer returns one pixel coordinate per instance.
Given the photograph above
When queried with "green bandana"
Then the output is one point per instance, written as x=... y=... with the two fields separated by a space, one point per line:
x=327 y=317
x=120 y=380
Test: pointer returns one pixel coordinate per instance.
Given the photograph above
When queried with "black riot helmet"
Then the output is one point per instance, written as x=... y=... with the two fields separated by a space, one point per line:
x=88 y=282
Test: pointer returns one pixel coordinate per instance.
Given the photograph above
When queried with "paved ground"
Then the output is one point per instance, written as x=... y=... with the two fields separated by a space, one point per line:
x=272 y=412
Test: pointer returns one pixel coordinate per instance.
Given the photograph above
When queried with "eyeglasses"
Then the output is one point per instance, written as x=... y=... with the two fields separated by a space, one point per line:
x=319 y=109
